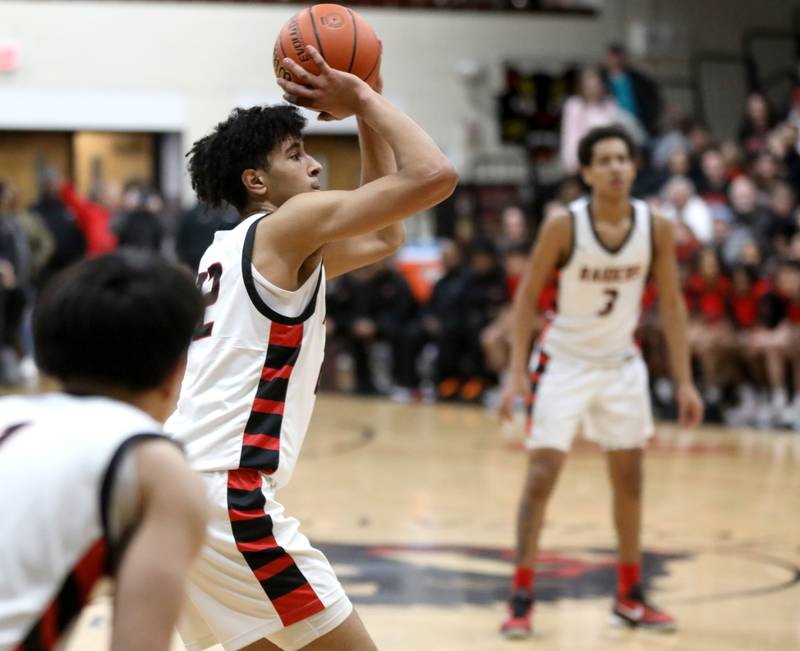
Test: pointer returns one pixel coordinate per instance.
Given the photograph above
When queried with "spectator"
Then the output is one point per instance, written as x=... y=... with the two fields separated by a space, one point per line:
x=634 y=91
x=700 y=138
x=514 y=228
x=483 y=298
x=35 y=252
x=756 y=125
x=678 y=165
x=439 y=323
x=15 y=289
x=766 y=171
x=496 y=337
x=789 y=287
x=770 y=345
x=138 y=225
x=745 y=305
x=713 y=180
x=40 y=242
x=93 y=218
x=367 y=306
x=196 y=231
x=590 y=107
x=70 y=242
x=676 y=137
x=783 y=145
x=749 y=221
x=682 y=205
x=783 y=224
x=794 y=111
x=707 y=294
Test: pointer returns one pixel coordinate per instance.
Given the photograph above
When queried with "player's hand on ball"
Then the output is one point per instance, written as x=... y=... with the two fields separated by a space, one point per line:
x=333 y=93
x=690 y=406
x=516 y=385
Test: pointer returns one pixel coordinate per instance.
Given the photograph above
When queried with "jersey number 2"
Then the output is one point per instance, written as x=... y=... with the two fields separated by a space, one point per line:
x=214 y=272
x=613 y=295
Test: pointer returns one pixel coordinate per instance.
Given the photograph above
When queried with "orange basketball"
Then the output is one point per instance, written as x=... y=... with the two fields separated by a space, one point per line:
x=343 y=38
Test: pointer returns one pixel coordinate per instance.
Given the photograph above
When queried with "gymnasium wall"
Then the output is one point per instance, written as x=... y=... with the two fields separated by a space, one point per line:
x=179 y=67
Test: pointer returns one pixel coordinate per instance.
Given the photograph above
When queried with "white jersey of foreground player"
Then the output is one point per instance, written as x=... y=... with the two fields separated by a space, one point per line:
x=250 y=384
x=67 y=495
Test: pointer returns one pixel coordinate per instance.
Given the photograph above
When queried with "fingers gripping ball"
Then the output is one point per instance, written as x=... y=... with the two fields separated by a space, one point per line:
x=343 y=38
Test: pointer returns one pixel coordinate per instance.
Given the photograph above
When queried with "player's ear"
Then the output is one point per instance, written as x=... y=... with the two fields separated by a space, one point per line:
x=256 y=182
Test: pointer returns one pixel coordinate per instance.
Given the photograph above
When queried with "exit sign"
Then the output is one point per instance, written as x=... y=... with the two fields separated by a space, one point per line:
x=9 y=56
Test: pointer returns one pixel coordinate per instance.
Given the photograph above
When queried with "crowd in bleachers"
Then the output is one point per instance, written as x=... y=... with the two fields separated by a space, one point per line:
x=734 y=204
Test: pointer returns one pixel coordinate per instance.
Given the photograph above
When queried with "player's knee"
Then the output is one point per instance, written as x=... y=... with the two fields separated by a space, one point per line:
x=541 y=479
x=628 y=482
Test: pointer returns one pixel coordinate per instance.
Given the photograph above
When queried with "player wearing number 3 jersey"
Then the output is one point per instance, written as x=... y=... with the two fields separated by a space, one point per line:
x=586 y=372
x=250 y=384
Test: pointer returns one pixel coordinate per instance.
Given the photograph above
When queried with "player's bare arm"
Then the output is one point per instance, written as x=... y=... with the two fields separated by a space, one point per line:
x=168 y=537
x=310 y=220
x=674 y=321
x=377 y=160
x=552 y=248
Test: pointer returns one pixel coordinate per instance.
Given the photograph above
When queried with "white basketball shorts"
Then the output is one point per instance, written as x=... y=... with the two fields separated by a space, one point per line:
x=257 y=575
x=610 y=404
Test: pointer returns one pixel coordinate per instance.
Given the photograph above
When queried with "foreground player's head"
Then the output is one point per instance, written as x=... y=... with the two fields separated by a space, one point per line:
x=119 y=325
x=607 y=157
x=254 y=160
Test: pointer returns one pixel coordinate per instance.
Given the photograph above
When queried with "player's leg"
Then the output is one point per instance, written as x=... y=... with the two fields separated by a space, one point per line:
x=544 y=467
x=560 y=395
x=625 y=473
x=621 y=421
x=258 y=581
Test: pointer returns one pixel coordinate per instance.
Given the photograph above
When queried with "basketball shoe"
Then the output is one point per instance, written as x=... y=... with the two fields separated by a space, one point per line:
x=517 y=624
x=634 y=611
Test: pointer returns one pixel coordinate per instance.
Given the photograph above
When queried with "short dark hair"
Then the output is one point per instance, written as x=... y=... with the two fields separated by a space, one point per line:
x=587 y=143
x=123 y=320
x=241 y=142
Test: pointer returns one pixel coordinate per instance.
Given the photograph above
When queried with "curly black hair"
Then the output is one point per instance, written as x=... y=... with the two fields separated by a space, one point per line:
x=616 y=131
x=241 y=142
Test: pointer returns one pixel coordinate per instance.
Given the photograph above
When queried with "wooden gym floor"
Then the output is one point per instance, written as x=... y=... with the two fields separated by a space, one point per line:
x=415 y=505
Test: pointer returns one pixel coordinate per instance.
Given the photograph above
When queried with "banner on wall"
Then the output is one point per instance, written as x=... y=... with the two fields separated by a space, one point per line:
x=529 y=109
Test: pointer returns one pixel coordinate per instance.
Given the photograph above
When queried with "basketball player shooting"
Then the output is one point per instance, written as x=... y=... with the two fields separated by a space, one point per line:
x=586 y=371
x=82 y=471
x=249 y=389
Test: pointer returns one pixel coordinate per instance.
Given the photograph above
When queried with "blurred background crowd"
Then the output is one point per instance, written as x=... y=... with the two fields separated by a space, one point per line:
x=443 y=333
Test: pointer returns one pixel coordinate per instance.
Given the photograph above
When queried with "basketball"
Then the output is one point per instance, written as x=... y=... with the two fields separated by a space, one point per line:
x=343 y=38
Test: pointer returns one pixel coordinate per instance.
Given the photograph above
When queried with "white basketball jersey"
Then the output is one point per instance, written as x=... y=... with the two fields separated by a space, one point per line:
x=59 y=456
x=252 y=373
x=600 y=290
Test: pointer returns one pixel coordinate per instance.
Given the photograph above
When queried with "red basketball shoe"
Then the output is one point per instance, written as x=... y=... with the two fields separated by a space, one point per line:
x=517 y=624
x=634 y=611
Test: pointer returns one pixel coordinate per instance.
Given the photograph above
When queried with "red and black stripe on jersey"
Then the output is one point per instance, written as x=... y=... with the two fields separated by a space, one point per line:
x=69 y=601
x=262 y=435
x=284 y=584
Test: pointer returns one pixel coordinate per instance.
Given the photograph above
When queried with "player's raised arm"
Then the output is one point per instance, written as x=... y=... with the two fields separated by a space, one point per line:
x=377 y=160
x=551 y=249
x=424 y=175
x=674 y=320
x=151 y=576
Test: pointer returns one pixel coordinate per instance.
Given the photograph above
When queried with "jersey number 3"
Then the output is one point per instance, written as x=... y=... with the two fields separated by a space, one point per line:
x=214 y=272
x=612 y=295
